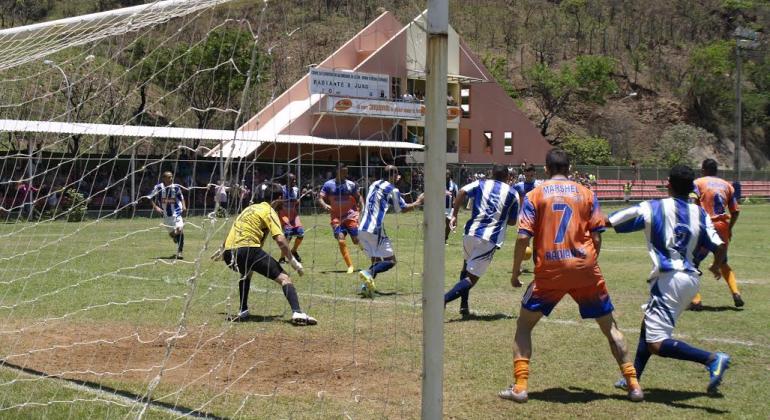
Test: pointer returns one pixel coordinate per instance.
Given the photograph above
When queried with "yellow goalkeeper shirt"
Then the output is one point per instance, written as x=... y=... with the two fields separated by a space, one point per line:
x=251 y=226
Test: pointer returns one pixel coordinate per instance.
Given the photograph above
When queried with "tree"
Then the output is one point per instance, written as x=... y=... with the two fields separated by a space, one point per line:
x=675 y=145
x=498 y=67
x=711 y=80
x=211 y=75
x=590 y=79
x=588 y=150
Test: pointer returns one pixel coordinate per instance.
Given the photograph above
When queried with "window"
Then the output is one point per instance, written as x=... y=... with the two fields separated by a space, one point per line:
x=508 y=148
x=488 y=142
x=465 y=101
x=395 y=88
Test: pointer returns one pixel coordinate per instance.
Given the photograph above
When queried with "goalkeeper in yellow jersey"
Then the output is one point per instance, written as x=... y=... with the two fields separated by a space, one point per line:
x=242 y=251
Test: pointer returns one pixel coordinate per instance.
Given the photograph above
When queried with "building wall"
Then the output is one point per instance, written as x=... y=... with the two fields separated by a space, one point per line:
x=493 y=110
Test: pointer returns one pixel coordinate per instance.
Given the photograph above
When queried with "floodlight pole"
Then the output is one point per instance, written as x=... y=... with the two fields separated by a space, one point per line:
x=738 y=115
x=433 y=216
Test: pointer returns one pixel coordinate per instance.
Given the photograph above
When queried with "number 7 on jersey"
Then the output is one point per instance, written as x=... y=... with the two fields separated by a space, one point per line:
x=565 y=218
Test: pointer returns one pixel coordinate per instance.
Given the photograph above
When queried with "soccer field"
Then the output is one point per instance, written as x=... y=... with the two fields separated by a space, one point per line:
x=91 y=313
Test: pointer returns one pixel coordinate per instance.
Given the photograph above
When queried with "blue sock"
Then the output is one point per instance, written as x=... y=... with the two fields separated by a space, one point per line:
x=676 y=349
x=381 y=267
x=642 y=354
x=460 y=288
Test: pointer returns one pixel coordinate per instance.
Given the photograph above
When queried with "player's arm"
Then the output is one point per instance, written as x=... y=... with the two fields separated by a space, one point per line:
x=519 y=251
x=597 y=238
x=459 y=200
x=155 y=205
x=183 y=205
x=276 y=231
x=322 y=200
x=735 y=210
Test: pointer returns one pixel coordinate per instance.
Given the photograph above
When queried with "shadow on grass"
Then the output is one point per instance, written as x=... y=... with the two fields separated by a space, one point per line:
x=672 y=397
x=669 y=397
x=253 y=318
x=334 y=272
x=102 y=388
x=173 y=257
x=706 y=308
x=483 y=317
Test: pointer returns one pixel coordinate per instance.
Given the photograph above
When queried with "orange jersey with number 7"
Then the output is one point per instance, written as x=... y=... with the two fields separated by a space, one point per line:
x=560 y=216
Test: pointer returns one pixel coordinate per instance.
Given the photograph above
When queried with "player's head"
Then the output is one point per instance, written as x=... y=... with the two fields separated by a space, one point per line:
x=448 y=175
x=500 y=172
x=390 y=173
x=269 y=192
x=709 y=167
x=530 y=172
x=557 y=162
x=167 y=178
x=680 y=181
x=291 y=179
x=342 y=171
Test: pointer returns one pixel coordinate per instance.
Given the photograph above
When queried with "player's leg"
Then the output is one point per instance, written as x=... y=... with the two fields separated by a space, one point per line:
x=270 y=268
x=477 y=255
x=461 y=290
x=669 y=295
x=522 y=353
x=179 y=232
x=723 y=229
x=299 y=236
x=238 y=260
x=380 y=249
x=446 y=229
x=339 y=235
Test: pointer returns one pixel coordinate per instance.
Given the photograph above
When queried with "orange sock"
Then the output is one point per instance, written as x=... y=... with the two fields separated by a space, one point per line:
x=297 y=241
x=345 y=253
x=729 y=276
x=630 y=374
x=696 y=300
x=521 y=374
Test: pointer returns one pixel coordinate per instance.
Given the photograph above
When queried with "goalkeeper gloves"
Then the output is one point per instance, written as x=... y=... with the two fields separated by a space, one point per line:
x=296 y=266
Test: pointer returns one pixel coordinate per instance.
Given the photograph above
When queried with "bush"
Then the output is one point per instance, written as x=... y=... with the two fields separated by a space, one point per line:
x=78 y=204
x=588 y=150
x=676 y=144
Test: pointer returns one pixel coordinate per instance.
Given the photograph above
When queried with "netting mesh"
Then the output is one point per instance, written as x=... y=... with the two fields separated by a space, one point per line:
x=98 y=317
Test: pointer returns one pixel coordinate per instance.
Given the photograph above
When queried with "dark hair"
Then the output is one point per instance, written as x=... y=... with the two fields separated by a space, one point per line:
x=530 y=168
x=341 y=166
x=499 y=172
x=557 y=162
x=267 y=192
x=681 y=179
x=709 y=167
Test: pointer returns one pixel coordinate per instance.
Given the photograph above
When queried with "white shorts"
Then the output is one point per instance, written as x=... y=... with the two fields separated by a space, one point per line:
x=670 y=294
x=172 y=223
x=477 y=254
x=376 y=245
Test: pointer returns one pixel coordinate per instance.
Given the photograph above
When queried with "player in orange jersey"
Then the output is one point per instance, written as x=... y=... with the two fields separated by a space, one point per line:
x=717 y=197
x=565 y=222
x=340 y=197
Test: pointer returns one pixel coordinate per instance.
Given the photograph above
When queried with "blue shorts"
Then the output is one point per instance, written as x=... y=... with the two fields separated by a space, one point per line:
x=593 y=301
x=290 y=232
x=347 y=227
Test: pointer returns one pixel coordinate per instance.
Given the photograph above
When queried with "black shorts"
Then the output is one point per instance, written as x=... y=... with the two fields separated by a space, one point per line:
x=246 y=260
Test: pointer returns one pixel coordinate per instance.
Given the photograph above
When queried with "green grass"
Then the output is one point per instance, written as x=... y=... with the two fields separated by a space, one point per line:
x=90 y=301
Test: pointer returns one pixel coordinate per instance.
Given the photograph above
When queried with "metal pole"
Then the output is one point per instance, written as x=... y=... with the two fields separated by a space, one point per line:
x=299 y=167
x=738 y=117
x=132 y=169
x=433 y=217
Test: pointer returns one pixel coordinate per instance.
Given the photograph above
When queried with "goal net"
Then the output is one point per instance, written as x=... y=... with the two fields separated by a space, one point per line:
x=104 y=311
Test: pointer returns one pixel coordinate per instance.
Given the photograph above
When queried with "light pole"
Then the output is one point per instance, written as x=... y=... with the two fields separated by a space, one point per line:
x=745 y=39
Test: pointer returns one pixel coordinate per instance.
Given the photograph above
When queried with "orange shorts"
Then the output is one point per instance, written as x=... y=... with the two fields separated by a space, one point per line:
x=594 y=301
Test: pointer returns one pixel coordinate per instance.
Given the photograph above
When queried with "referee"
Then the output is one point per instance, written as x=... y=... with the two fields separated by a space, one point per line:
x=243 y=251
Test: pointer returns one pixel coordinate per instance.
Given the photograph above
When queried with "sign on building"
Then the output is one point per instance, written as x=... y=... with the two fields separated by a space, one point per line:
x=351 y=84
x=373 y=108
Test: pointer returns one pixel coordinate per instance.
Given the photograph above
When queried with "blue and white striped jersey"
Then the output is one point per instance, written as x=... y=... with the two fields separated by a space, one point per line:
x=169 y=198
x=676 y=232
x=381 y=194
x=451 y=193
x=494 y=204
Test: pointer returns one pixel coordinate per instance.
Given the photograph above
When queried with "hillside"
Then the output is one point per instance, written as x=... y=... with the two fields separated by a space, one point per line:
x=674 y=62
